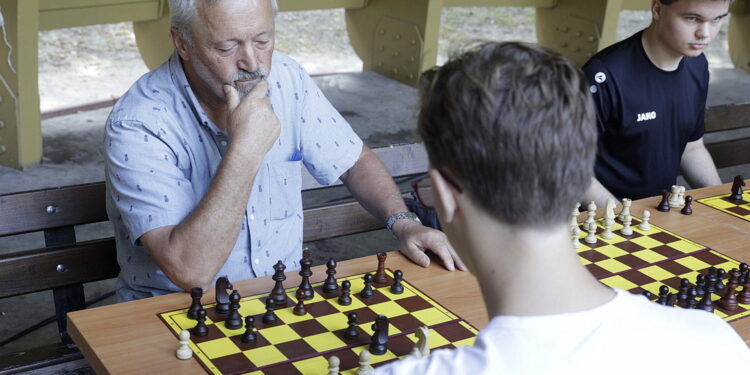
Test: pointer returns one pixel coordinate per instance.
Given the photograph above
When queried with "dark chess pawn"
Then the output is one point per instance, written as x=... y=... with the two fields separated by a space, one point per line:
x=367 y=291
x=396 y=287
x=270 y=316
x=743 y=297
x=330 y=285
x=705 y=303
x=195 y=294
x=277 y=293
x=663 y=295
x=711 y=279
x=379 y=336
x=688 y=209
x=648 y=294
x=249 y=336
x=664 y=204
x=380 y=276
x=729 y=300
x=299 y=308
x=351 y=329
x=345 y=299
x=690 y=303
x=736 y=192
x=200 y=329
x=682 y=294
x=700 y=283
x=719 y=286
x=744 y=270
x=234 y=320
x=305 y=264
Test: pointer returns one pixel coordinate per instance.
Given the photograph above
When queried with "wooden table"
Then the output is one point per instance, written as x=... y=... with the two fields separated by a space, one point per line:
x=130 y=338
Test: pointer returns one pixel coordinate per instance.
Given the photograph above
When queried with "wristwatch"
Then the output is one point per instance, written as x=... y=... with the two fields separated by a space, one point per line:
x=399 y=216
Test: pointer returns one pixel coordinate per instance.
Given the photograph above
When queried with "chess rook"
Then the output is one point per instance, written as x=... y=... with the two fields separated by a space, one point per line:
x=196 y=294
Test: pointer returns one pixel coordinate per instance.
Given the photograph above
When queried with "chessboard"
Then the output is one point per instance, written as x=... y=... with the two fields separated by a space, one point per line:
x=303 y=344
x=722 y=203
x=646 y=260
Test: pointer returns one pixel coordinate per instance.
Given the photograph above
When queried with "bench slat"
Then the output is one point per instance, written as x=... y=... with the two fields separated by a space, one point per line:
x=73 y=205
x=729 y=153
x=36 y=270
x=726 y=117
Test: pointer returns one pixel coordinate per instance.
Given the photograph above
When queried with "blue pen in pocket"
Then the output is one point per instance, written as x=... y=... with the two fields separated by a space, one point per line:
x=296 y=156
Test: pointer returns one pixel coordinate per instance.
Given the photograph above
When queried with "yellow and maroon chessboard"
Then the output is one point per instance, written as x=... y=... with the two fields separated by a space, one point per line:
x=722 y=203
x=646 y=260
x=303 y=344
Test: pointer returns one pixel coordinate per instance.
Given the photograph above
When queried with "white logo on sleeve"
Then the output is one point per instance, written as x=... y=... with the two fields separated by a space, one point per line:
x=646 y=116
x=600 y=77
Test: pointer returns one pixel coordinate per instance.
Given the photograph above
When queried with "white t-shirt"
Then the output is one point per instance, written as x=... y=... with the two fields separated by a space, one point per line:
x=628 y=335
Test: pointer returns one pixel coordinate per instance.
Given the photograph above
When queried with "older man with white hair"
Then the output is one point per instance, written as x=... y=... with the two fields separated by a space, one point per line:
x=204 y=156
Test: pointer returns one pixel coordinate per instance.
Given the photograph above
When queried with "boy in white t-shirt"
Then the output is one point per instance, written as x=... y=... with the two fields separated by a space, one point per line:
x=510 y=132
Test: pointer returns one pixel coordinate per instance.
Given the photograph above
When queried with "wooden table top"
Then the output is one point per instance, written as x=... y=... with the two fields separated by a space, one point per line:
x=130 y=337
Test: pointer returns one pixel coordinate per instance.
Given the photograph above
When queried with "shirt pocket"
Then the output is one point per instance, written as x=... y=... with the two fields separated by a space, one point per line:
x=286 y=184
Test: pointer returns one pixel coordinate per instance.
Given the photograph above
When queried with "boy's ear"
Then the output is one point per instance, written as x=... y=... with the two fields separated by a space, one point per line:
x=655 y=9
x=445 y=197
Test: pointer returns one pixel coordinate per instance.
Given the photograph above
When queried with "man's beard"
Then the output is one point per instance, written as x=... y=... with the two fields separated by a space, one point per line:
x=245 y=75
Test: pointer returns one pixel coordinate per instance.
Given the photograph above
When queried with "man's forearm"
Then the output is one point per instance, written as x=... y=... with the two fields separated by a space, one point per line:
x=698 y=167
x=371 y=184
x=194 y=251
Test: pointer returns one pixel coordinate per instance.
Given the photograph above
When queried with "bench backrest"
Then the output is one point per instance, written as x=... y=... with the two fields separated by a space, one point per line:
x=729 y=117
x=64 y=265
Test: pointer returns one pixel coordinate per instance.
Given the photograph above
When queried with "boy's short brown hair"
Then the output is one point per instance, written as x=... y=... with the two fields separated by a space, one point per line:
x=515 y=124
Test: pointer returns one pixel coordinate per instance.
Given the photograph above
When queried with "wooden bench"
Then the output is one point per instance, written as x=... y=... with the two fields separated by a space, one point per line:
x=724 y=118
x=65 y=264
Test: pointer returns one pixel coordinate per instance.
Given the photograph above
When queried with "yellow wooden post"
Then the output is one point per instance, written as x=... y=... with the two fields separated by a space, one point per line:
x=20 y=127
x=396 y=38
x=739 y=34
x=578 y=29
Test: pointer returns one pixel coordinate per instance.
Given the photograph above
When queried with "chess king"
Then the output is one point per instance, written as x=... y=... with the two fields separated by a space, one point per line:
x=204 y=154
x=510 y=132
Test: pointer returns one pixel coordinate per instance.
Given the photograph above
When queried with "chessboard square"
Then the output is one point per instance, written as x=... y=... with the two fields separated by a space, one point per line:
x=592 y=255
x=377 y=297
x=400 y=345
x=308 y=327
x=740 y=211
x=265 y=355
x=618 y=282
x=656 y=272
x=436 y=339
x=465 y=342
x=414 y=303
x=405 y=322
x=631 y=261
x=390 y=309
x=324 y=341
x=613 y=265
x=685 y=246
x=314 y=365
x=654 y=287
x=321 y=308
x=714 y=258
x=629 y=246
x=279 y=334
x=668 y=251
x=356 y=304
x=282 y=369
x=251 y=307
x=230 y=332
x=375 y=359
x=664 y=237
x=675 y=268
x=232 y=364
x=393 y=296
x=288 y=316
x=615 y=237
x=180 y=318
x=333 y=322
x=584 y=261
x=693 y=263
x=454 y=331
x=431 y=317
x=611 y=251
x=597 y=271
x=647 y=241
x=218 y=348
x=649 y=256
x=295 y=349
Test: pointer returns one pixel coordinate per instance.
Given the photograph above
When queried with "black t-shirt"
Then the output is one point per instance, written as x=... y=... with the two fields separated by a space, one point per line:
x=645 y=117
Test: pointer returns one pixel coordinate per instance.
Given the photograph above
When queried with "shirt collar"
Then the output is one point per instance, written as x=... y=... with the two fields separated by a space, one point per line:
x=180 y=80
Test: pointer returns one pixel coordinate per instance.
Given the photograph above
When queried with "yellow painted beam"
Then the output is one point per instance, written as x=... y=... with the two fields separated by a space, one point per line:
x=296 y=5
x=69 y=4
x=636 y=4
x=20 y=127
x=500 y=3
x=59 y=18
x=739 y=34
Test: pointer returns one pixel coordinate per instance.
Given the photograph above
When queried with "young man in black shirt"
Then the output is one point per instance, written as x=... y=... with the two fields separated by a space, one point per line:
x=650 y=92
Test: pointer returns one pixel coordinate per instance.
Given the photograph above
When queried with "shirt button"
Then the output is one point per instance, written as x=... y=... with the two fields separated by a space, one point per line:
x=257 y=261
x=224 y=143
x=252 y=216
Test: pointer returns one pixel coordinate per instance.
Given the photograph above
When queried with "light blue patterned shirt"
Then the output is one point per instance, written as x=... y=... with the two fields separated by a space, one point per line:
x=162 y=152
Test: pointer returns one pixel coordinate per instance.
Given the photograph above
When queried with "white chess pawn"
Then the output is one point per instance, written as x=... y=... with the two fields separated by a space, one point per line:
x=674 y=198
x=591 y=228
x=626 y=203
x=607 y=233
x=184 y=351
x=626 y=229
x=333 y=365
x=364 y=363
x=575 y=237
x=591 y=211
x=644 y=225
x=681 y=196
